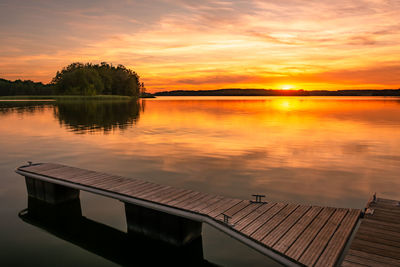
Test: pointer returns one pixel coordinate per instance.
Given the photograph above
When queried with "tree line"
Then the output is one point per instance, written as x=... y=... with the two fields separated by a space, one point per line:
x=272 y=92
x=19 y=87
x=81 y=79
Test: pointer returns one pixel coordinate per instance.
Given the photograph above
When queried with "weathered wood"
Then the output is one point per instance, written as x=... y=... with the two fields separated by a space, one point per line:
x=96 y=180
x=142 y=194
x=203 y=200
x=129 y=186
x=291 y=236
x=366 y=261
x=112 y=181
x=378 y=233
x=222 y=209
x=232 y=211
x=188 y=202
x=264 y=218
x=336 y=245
x=210 y=208
x=245 y=221
x=43 y=167
x=382 y=225
x=183 y=198
x=122 y=185
x=270 y=225
x=283 y=227
x=244 y=212
x=376 y=248
x=136 y=191
x=172 y=196
x=303 y=241
x=377 y=241
x=161 y=192
x=317 y=246
x=313 y=235
x=374 y=257
x=352 y=264
x=207 y=203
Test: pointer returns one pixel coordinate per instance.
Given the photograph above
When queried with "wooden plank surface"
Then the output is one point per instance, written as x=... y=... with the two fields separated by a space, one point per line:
x=377 y=241
x=264 y=218
x=292 y=235
x=309 y=234
x=279 y=231
x=270 y=225
x=332 y=252
x=304 y=240
x=248 y=219
x=317 y=246
x=172 y=196
x=232 y=211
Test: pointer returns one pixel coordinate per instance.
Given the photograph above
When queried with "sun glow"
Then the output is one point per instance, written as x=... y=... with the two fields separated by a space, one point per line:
x=287 y=87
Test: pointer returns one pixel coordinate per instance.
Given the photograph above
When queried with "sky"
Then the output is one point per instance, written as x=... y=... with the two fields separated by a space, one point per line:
x=209 y=44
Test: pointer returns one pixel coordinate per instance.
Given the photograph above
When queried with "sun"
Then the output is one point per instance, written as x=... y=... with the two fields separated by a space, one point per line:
x=287 y=87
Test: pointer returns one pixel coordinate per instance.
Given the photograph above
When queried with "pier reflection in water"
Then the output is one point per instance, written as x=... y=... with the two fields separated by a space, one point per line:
x=66 y=222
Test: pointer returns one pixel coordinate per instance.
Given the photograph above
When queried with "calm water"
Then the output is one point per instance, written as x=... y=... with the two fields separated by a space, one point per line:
x=321 y=151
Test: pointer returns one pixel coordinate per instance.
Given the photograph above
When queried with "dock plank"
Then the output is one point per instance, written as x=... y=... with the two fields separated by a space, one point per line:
x=275 y=221
x=291 y=236
x=336 y=245
x=223 y=208
x=374 y=257
x=311 y=234
x=244 y=212
x=202 y=205
x=42 y=167
x=185 y=197
x=232 y=211
x=264 y=218
x=175 y=194
x=281 y=230
x=167 y=200
x=308 y=235
x=189 y=202
x=249 y=218
x=199 y=202
x=214 y=206
x=377 y=241
x=317 y=246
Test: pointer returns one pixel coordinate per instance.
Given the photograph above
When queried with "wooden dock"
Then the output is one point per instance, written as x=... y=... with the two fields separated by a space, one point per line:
x=294 y=235
x=377 y=241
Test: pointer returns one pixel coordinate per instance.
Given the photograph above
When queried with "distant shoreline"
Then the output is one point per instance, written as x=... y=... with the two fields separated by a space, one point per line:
x=66 y=97
x=272 y=92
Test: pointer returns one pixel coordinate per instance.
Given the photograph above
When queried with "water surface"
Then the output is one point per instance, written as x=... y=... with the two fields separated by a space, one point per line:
x=319 y=151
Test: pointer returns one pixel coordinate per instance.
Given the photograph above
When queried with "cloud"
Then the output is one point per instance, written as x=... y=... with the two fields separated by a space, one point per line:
x=208 y=43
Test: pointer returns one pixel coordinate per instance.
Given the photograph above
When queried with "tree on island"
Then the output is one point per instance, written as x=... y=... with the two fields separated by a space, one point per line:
x=94 y=79
x=27 y=87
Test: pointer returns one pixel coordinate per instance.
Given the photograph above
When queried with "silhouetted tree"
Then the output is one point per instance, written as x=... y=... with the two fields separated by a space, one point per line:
x=92 y=79
x=18 y=87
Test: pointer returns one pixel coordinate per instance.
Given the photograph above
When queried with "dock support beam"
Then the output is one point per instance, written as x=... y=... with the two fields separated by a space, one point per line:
x=162 y=226
x=49 y=192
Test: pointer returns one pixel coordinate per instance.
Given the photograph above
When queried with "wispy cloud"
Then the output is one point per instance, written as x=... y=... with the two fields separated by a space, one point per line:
x=188 y=44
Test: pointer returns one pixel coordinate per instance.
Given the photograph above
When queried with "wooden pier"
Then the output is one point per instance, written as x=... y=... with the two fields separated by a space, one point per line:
x=377 y=241
x=294 y=235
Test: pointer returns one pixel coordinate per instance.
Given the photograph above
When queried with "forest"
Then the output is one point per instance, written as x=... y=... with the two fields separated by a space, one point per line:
x=81 y=79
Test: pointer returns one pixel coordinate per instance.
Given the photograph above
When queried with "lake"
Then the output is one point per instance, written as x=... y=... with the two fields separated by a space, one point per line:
x=308 y=150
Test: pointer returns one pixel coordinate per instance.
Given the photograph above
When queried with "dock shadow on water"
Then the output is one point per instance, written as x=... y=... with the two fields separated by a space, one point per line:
x=88 y=116
x=66 y=222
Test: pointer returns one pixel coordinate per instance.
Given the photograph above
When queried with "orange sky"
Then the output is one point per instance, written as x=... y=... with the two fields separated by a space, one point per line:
x=211 y=44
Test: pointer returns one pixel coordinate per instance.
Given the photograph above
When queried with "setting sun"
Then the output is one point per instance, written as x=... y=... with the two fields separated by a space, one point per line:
x=287 y=87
